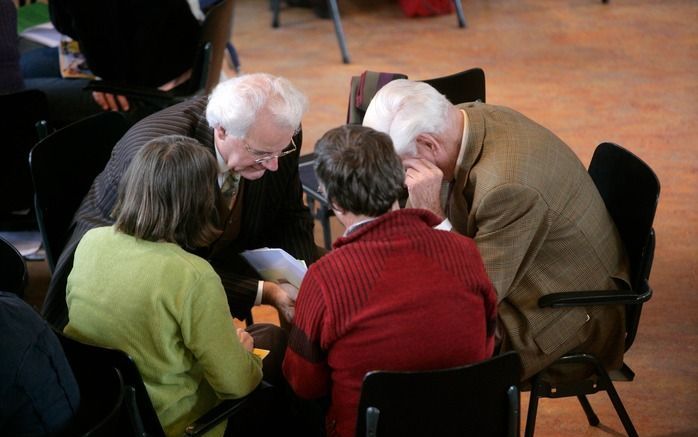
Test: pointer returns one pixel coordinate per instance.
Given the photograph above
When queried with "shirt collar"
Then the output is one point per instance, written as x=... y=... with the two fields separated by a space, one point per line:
x=222 y=167
x=463 y=144
x=357 y=225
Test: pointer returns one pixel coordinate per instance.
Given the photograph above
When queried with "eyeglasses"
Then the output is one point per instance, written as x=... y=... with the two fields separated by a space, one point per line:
x=266 y=156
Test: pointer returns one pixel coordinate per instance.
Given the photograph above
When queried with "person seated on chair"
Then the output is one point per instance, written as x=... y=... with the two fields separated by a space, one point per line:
x=359 y=306
x=143 y=44
x=525 y=198
x=38 y=392
x=135 y=287
x=249 y=125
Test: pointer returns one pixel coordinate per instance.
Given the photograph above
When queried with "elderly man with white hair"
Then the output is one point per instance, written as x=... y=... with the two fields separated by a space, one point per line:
x=251 y=124
x=525 y=198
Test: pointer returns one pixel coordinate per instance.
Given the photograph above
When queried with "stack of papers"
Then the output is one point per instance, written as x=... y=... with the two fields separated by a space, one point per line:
x=276 y=265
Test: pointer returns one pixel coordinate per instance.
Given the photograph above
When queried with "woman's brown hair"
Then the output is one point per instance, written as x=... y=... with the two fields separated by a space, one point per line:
x=167 y=193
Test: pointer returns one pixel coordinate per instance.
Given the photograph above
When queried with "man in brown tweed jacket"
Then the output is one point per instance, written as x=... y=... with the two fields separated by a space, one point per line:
x=529 y=203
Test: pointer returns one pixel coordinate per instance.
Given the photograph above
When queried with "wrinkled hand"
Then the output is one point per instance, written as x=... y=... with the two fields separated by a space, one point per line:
x=279 y=296
x=246 y=339
x=423 y=180
x=110 y=102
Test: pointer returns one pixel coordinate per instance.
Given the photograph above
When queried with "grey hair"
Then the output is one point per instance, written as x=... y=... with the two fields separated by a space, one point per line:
x=235 y=103
x=359 y=170
x=404 y=109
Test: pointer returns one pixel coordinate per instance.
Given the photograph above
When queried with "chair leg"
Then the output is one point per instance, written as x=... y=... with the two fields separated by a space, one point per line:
x=532 y=409
x=275 y=6
x=586 y=406
x=459 y=13
x=620 y=409
x=234 y=59
x=334 y=10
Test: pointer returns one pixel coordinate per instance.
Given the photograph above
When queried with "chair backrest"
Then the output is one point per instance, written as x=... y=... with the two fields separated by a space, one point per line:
x=102 y=390
x=477 y=399
x=465 y=86
x=215 y=34
x=63 y=166
x=630 y=191
x=89 y=362
x=21 y=111
x=13 y=272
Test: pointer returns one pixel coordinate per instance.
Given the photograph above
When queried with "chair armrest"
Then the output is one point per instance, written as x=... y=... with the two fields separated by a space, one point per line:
x=589 y=298
x=222 y=412
x=214 y=416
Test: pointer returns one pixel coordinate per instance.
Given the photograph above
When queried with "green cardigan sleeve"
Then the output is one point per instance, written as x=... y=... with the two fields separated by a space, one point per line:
x=209 y=333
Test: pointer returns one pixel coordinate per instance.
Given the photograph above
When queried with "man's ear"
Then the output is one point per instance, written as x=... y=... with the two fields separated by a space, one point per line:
x=427 y=145
x=220 y=133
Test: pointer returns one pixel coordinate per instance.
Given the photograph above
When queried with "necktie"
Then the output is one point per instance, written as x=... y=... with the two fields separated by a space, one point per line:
x=229 y=189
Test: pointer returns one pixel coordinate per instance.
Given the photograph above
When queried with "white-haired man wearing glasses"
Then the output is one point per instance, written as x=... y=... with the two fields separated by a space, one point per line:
x=252 y=125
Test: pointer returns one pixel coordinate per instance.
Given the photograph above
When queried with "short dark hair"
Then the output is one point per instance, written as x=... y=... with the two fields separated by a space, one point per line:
x=359 y=170
x=168 y=193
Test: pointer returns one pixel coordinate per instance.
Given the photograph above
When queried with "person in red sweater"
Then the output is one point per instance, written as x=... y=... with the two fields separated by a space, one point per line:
x=394 y=294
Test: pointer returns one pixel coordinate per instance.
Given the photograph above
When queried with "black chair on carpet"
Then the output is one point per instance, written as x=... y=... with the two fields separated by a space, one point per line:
x=94 y=367
x=630 y=191
x=63 y=166
x=477 y=399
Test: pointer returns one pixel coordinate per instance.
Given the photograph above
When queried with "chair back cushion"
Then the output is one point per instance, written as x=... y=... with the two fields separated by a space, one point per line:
x=362 y=90
x=468 y=400
x=630 y=191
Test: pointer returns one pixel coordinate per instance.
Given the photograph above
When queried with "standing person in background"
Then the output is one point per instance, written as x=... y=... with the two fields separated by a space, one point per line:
x=536 y=216
x=250 y=125
x=135 y=287
x=359 y=307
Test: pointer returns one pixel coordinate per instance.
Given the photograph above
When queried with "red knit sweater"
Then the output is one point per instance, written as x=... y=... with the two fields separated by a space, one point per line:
x=395 y=294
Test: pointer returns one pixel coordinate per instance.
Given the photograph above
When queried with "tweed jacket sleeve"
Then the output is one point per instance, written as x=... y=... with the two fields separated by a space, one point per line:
x=512 y=223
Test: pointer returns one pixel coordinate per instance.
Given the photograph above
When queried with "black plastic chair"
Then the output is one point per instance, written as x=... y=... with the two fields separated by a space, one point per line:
x=465 y=86
x=477 y=399
x=63 y=166
x=137 y=416
x=21 y=111
x=630 y=191
x=102 y=391
x=13 y=275
x=213 y=46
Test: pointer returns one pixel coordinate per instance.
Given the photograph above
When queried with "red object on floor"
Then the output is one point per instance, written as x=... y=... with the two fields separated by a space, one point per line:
x=426 y=8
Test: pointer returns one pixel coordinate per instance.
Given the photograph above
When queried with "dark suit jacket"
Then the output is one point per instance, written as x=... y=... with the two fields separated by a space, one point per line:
x=273 y=213
x=541 y=227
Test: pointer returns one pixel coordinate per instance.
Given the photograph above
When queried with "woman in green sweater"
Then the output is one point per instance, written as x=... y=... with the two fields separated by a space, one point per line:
x=134 y=287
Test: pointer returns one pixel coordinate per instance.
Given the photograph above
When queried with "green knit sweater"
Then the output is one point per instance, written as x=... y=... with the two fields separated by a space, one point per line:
x=167 y=309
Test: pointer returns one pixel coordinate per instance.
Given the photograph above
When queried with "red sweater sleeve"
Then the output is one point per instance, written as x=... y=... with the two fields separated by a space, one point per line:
x=305 y=364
